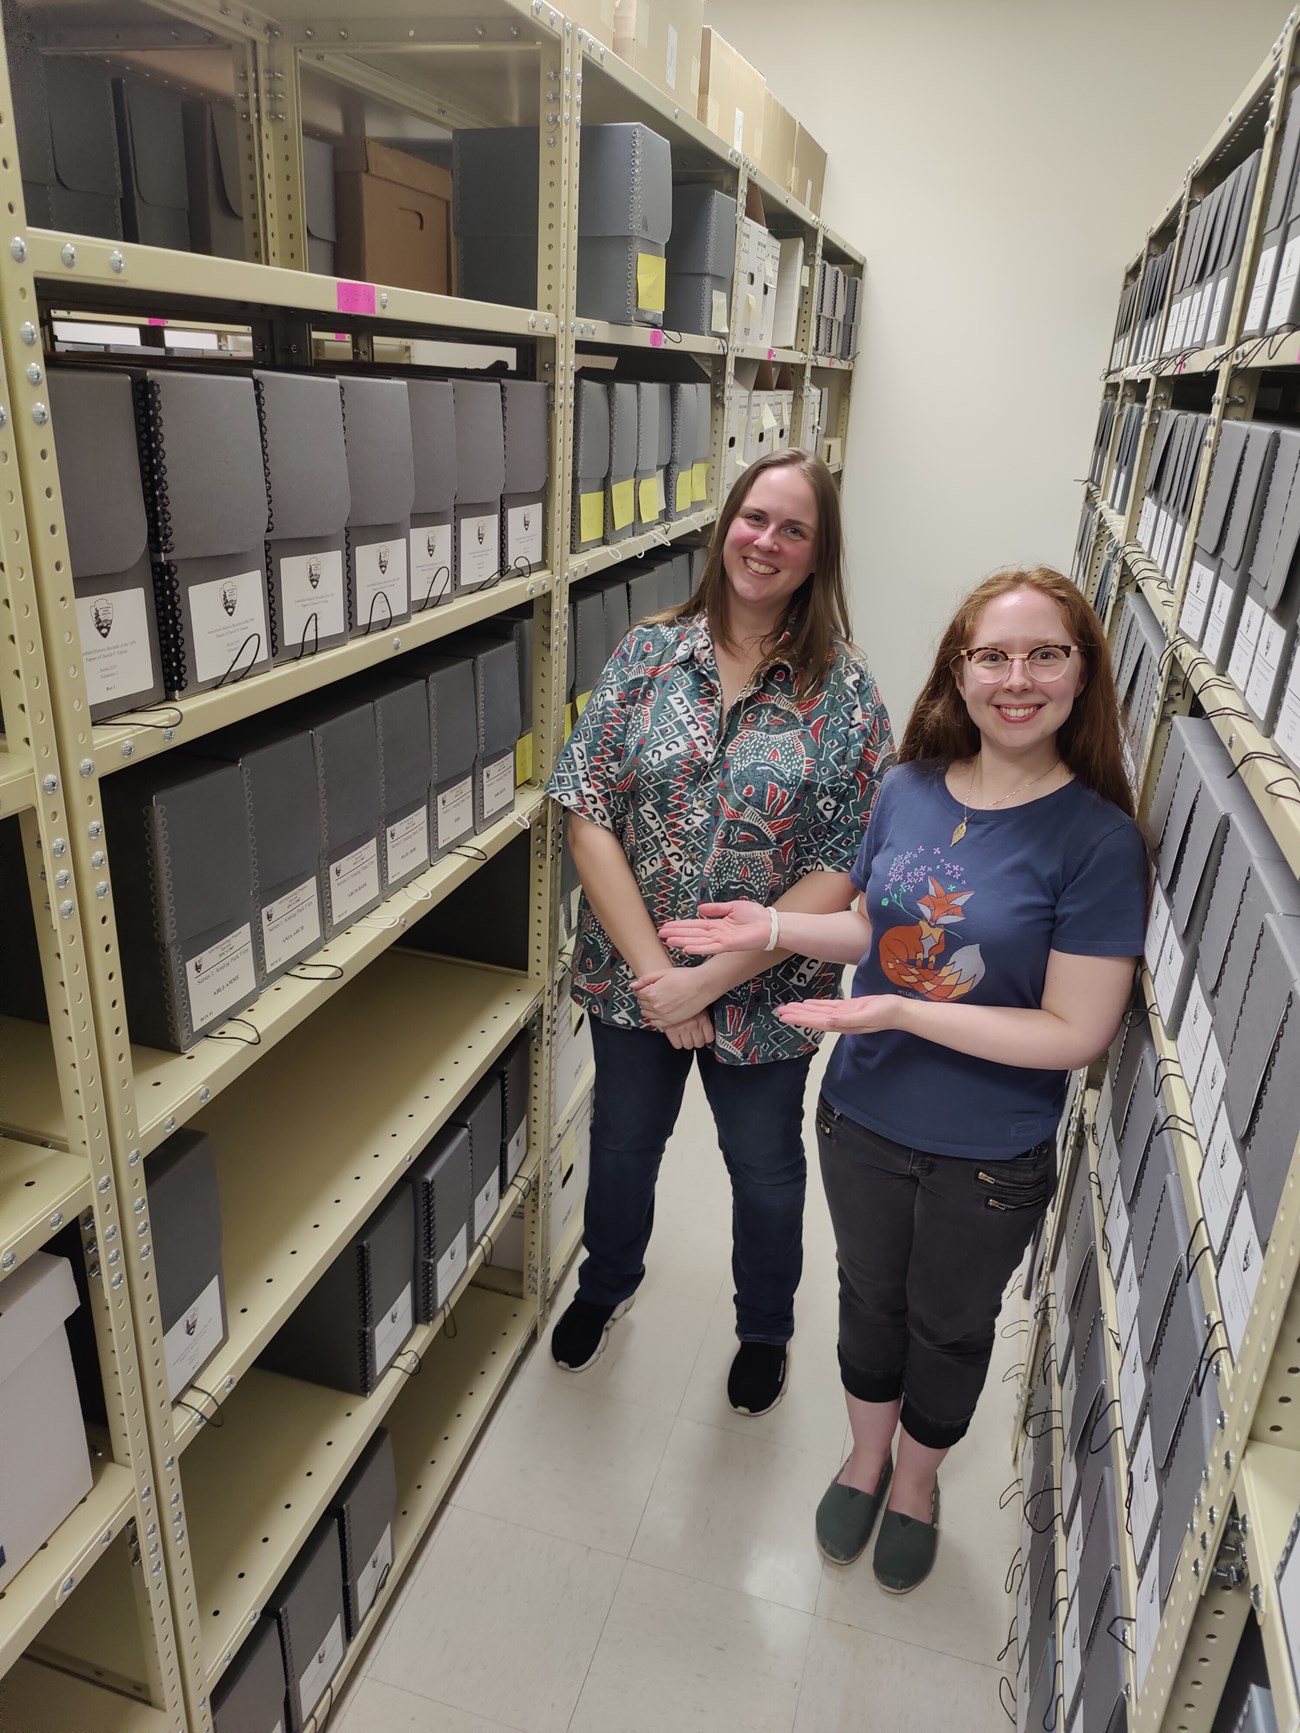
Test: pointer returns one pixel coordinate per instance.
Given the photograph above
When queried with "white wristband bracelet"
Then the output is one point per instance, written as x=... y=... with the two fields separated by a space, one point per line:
x=775 y=932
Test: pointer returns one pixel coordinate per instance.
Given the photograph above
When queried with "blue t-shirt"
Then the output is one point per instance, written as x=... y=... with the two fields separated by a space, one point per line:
x=975 y=921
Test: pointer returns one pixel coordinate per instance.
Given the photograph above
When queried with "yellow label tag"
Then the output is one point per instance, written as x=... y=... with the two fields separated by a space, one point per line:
x=524 y=759
x=648 y=494
x=700 y=483
x=591 y=517
x=651 y=280
x=685 y=489
x=622 y=503
x=721 y=323
x=751 y=309
x=770 y=421
x=580 y=704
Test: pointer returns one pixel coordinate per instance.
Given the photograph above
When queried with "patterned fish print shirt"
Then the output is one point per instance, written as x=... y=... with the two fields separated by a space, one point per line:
x=711 y=810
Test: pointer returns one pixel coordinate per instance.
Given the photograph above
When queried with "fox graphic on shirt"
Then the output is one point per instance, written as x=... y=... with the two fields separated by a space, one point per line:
x=916 y=957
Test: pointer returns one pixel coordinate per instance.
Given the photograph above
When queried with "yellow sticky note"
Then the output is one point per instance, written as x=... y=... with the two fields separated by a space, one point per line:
x=751 y=311
x=648 y=493
x=622 y=503
x=769 y=420
x=721 y=322
x=685 y=489
x=524 y=759
x=591 y=517
x=580 y=704
x=700 y=483
x=651 y=280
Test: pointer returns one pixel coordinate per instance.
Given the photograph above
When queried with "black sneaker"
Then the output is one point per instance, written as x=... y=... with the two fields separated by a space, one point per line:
x=579 y=1334
x=756 y=1382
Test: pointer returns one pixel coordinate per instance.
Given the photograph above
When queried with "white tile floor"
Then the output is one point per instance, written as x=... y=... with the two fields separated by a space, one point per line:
x=624 y=1554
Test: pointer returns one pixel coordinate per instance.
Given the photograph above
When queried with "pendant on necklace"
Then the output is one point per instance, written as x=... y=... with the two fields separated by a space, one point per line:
x=958 y=834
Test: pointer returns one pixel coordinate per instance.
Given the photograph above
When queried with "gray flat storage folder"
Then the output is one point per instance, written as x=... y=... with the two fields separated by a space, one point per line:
x=364 y=1508
x=205 y=489
x=215 y=182
x=453 y=739
x=310 y=499
x=433 y=441
x=381 y=479
x=249 y=1697
x=349 y=792
x=185 y=1213
x=440 y=1184
x=405 y=757
x=151 y=143
x=108 y=538
x=480 y=483
x=526 y=423
x=308 y=1609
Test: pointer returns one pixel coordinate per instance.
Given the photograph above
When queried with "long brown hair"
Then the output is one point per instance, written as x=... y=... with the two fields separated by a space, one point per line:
x=818 y=613
x=940 y=726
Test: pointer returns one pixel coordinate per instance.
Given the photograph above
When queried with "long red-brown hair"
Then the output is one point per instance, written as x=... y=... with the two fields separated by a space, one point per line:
x=940 y=727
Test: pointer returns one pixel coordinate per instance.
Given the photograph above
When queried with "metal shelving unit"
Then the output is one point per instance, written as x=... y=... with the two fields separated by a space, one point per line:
x=129 y=1616
x=1250 y=1491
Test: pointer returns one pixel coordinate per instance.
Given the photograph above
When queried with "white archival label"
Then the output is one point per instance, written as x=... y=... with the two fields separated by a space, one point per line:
x=1193 y=1033
x=1196 y=603
x=374 y=1571
x=670 y=60
x=1157 y=925
x=1267 y=666
x=1164 y=529
x=1209 y=1091
x=1171 y=562
x=1107 y=1161
x=1072 y=1658
x=1069 y=1478
x=354 y=881
x=1259 y=292
x=720 y=321
x=1169 y=973
x=1243 y=648
x=407 y=844
x=498 y=785
x=1239 y=1274
x=220 y=976
x=116 y=655
x=321 y=1668
x=382 y=591
x=486 y=1205
x=1214 y=327
x=516 y=1150
x=1069 y=1392
x=311 y=591
x=1132 y=1388
x=1126 y=1295
x=193 y=1339
x=228 y=623
x=1105 y=1106
x=1146 y=1492
x=1220 y=608
x=1286 y=733
x=1279 y=310
x=1148 y=1617
x=524 y=535
x=392 y=1330
x=430 y=564
x=455 y=811
x=1145 y=522
x=290 y=924
x=1116 y=1230
x=1288 y=1597
x=480 y=551
x=1220 y=1181
x=451 y=1267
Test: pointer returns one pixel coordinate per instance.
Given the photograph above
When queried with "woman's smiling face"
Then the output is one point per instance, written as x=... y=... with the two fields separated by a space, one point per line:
x=1018 y=712
x=771 y=545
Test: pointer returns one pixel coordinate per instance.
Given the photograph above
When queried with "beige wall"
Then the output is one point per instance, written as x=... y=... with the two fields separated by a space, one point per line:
x=998 y=161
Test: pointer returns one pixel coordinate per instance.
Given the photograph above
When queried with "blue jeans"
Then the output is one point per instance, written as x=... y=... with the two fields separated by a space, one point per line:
x=758 y=1110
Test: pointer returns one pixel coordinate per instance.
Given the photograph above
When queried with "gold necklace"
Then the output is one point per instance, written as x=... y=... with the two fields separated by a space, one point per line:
x=960 y=831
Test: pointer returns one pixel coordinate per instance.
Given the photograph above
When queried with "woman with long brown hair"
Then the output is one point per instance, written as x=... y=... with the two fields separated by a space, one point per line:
x=732 y=747
x=1003 y=888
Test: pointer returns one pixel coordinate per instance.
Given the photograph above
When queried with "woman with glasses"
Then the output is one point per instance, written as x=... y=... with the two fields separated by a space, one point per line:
x=1002 y=904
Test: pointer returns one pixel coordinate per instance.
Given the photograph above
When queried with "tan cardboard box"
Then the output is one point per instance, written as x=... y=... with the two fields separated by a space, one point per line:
x=661 y=39
x=732 y=94
x=780 y=129
x=809 y=177
x=596 y=17
x=393 y=214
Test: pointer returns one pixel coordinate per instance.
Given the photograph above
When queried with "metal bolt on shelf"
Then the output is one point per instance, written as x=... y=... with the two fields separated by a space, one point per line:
x=97 y=859
x=116 y=262
x=69 y=255
x=18 y=249
x=101 y=889
x=50 y=784
x=128 y=749
x=8 y=1261
x=69 y=1583
x=63 y=878
x=65 y=909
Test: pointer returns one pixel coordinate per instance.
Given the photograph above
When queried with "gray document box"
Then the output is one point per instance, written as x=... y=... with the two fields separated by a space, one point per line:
x=205 y=489
x=620 y=491
x=307 y=1606
x=433 y=440
x=496 y=703
x=310 y=497
x=480 y=483
x=591 y=435
x=249 y=1697
x=84 y=191
x=185 y=1222
x=441 y=1182
x=151 y=145
x=108 y=538
x=453 y=742
x=216 y=192
x=349 y=792
x=625 y=217
x=402 y=719
x=178 y=828
x=649 y=471
x=701 y=261
x=349 y=1329
x=381 y=479
x=481 y=1115
x=513 y=1070
x=494 y=193
x=526 y=424
x=364 y=1508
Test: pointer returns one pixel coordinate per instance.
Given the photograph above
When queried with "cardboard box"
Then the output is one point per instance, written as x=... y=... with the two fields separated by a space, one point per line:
x=732 y=95
x=44 y=1464
x=661 y=39
x=393 y=216
x=596 y=17
x=808 y=178
x=780 y=135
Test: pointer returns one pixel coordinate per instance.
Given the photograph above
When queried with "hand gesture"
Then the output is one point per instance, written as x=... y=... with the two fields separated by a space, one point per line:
x=670 y=996
x=843 y=1016
x=695 y=1032
x=721 y=927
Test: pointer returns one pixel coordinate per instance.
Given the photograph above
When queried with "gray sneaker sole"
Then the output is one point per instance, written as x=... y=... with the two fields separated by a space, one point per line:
x=614 y=1316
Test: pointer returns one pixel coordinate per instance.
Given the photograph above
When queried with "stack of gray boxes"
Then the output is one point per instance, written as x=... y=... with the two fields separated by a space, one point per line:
x=625 y=215
x=433 y=441
x=307 y=1607
x=687 y=477
x=701 y=259
x=216 y=182
x=381 y=479
x=67 y=141
x=440 y=1185
x=494 y=212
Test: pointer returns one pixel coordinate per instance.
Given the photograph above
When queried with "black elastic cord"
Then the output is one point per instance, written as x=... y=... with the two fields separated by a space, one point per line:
x=255 y=1040
x=253 y=638
x=312 y=620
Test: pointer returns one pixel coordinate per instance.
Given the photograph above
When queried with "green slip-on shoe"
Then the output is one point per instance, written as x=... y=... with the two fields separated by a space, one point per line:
x=905 y=1550
x=846 y=1517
